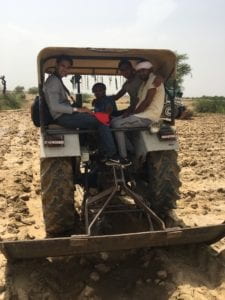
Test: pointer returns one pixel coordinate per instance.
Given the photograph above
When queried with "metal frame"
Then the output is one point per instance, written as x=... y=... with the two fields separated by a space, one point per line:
x=80 y=244
x=119 y=185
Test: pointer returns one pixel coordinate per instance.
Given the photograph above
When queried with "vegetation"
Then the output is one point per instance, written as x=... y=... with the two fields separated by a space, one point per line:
x=207 y=104
x=11 y=101
x=33 y=90
x=183 y=69
x=19 y=89
x=3 y=81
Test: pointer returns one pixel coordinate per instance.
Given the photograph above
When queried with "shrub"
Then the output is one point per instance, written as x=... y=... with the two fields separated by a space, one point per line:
x=11 y=101
x=210 y=104
x=186 y=115
x=19 y=89
x=33 y=90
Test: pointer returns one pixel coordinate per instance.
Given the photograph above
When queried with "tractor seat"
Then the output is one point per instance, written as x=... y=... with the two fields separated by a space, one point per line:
x=58 y=129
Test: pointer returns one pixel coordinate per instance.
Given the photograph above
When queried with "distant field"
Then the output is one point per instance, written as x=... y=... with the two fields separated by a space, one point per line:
x=11 y=101
x=204 y=104
x=191 y=270
x=207 y=104
x=188 y=103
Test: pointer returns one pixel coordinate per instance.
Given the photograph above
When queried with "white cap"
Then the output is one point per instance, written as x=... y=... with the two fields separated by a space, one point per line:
x=143 y=65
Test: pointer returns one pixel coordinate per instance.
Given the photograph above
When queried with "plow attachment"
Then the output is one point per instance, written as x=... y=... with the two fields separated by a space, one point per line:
x=81 y=244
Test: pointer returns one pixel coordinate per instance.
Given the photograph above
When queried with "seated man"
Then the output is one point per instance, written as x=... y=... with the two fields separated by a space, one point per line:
x=60 y=217
x=56 y=95
x=148 y=108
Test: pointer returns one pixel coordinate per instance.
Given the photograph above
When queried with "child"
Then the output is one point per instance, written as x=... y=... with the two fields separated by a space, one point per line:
x=104 y=106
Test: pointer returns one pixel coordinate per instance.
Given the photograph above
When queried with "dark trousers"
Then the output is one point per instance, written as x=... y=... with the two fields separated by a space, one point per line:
x=87 y=121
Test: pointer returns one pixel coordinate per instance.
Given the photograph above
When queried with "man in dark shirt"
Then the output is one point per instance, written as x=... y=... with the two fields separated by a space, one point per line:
x=131 y=86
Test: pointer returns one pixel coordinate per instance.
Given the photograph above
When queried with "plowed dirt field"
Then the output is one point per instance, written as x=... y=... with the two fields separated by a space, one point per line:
x=190 y=272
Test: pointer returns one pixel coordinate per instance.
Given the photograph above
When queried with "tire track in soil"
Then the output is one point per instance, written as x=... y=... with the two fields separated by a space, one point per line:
x=190 y=272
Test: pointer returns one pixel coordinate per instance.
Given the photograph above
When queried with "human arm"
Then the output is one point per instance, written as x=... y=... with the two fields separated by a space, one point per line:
x=158 y=80
x=146 y=102
x=55 y=97
x=132 y=106
x=120 y=94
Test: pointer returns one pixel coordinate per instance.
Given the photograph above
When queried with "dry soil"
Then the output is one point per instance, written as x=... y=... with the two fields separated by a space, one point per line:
x=190 y=272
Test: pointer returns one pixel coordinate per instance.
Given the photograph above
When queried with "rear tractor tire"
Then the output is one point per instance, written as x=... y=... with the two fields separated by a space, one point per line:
x=58 y=196
x=163 y=181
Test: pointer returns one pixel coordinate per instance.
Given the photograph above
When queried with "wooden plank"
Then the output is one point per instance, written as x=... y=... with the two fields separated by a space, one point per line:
x=87 y=244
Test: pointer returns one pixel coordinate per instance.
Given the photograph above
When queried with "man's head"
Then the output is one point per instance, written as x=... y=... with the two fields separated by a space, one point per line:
x=99 y=90
x=143 y=69
x=126 y=68
x=63 y=64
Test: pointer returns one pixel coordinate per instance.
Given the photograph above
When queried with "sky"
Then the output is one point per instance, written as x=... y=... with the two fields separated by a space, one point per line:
x=194 y=27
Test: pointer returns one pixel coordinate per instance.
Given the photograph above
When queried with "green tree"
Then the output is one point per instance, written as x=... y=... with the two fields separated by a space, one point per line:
x=19 y=89
x=182 y=69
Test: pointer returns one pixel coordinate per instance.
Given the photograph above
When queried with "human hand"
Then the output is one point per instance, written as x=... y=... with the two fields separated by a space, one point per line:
x=71 y=98
x=84 y=110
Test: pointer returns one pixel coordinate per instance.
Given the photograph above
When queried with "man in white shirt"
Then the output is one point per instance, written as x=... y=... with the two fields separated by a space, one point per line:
x=148 y=108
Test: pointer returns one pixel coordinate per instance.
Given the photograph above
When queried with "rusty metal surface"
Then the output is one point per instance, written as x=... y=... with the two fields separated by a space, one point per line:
x=86 y=244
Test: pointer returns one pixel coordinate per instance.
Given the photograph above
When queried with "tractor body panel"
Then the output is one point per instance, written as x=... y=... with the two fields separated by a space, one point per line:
x=66 y=145
x=146 y=142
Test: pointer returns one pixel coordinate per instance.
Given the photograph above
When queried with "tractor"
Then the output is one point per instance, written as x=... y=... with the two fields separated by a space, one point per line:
x=130 y=207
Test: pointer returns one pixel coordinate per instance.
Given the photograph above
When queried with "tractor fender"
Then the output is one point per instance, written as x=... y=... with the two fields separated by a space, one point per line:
x=66 y=145
x=146 y=142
